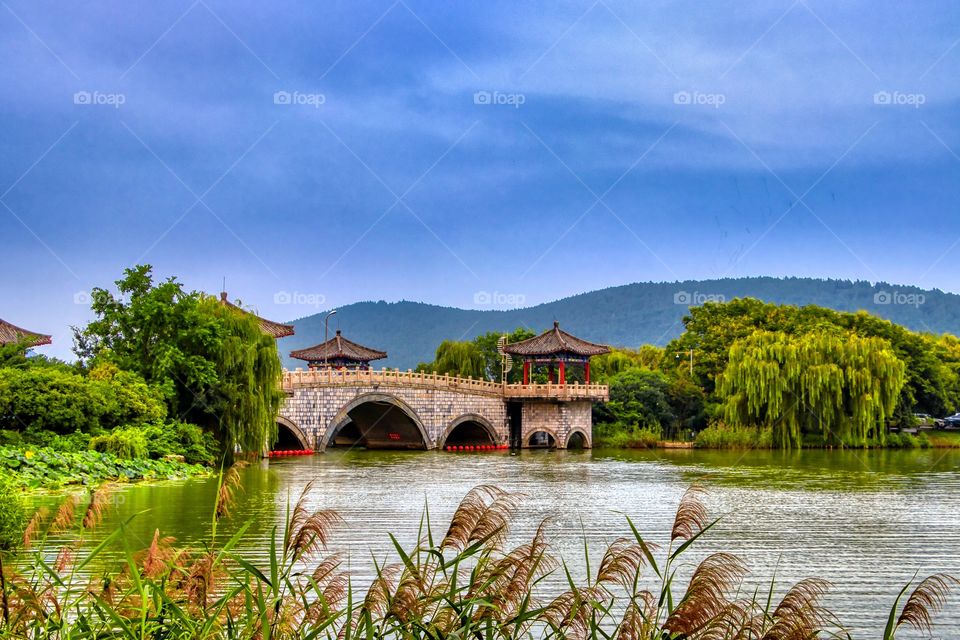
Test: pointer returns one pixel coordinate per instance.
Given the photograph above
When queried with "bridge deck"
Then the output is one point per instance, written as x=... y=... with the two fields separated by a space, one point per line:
x=385 y=377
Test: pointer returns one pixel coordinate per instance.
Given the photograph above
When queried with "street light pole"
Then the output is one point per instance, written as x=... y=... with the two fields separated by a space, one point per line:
x=326 y=320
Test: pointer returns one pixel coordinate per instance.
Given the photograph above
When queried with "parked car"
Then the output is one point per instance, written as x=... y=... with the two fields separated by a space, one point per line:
x=927 y=421
x=952 y=422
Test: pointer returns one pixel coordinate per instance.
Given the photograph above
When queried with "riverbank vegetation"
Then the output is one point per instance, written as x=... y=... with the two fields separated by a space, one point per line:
x=166 y=379
x=748 y=374
x=465 y=583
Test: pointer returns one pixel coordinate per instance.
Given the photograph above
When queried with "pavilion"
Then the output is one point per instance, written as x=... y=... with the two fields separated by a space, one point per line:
x=338 y=353
x=12 y=334
x=269 y=327
x=555 y=348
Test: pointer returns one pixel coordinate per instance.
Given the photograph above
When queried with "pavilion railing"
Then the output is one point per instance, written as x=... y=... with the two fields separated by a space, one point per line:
x=419 y=379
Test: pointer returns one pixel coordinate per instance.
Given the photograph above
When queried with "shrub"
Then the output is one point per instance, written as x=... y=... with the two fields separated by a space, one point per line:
x=613 y=435
x=182 y=439
x=13 y=512
x=128 y=443
x=60 y=400
x=9 y=437
x=720 y=435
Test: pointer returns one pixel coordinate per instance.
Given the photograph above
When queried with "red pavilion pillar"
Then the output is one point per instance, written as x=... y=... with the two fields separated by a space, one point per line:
x=563 y=372
x=586 y=372
x=550 y=373
x=526 y=372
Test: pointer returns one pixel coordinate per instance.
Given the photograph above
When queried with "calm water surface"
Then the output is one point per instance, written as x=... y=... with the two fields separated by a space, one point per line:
x=866 y=521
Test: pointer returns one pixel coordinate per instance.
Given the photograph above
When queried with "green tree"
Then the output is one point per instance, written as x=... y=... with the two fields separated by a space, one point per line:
x=841 y=387
x=457 y=358
x=478 y=357
x=487 y=345
x=638 y=399
x=213 y=365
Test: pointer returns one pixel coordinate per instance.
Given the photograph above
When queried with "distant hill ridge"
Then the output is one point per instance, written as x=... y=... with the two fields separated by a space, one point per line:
x=627 y=315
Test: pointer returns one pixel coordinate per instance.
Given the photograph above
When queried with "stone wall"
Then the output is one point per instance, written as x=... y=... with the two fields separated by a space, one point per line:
x=559 y=419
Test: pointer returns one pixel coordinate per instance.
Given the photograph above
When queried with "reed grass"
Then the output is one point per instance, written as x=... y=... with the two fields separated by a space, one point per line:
x=466 y=583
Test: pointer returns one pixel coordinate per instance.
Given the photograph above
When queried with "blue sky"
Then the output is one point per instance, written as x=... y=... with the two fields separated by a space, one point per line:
x=318 y=154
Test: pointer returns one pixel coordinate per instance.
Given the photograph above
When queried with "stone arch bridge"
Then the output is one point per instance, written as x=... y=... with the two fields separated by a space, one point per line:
x=406 y=410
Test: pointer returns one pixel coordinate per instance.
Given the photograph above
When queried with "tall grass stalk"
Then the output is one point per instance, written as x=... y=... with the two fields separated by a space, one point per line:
x=467 y=583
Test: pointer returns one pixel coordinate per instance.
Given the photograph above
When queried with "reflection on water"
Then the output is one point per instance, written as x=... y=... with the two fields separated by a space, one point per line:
x=865 y=520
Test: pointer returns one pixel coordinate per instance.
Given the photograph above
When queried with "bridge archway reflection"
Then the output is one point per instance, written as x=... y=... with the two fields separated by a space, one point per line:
x=377 y=421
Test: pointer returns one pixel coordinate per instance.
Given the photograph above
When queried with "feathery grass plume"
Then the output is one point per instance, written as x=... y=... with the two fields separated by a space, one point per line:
x=706 y=595
x=376 y=602
x=33 y=525
x=226 y=492
x=99 y=499
x=928 y=598
x=64 y=558
x=621 y=562
x=482 y=514
x=569 y=613
x=201 y=580
x=506 y=583
x=799 y=615
x=154 y=560
x=66 y=513
x=638 y=618
x=308 y=533
x=331 y=585
x=691 y=515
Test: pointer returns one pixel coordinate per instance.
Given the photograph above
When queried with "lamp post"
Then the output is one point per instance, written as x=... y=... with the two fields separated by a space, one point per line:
x=326 y=320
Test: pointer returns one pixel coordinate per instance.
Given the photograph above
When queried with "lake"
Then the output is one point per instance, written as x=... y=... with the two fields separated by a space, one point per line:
x=867 y=520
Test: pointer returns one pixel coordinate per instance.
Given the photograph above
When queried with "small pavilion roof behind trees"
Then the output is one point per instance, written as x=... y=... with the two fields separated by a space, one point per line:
x=555 y=346
x=269 y=327
x=338 y=352
x=12 y=334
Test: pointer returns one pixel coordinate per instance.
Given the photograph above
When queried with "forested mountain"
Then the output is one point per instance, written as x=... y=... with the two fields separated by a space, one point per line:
x=628 y=315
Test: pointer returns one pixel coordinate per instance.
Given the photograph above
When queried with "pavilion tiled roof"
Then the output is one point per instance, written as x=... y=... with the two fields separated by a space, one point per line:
x=12 y=334
x=269 y=327
x=553 y=342
x=338 y=347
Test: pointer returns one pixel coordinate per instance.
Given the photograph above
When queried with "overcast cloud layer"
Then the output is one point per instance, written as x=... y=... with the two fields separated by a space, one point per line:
x=317 y=154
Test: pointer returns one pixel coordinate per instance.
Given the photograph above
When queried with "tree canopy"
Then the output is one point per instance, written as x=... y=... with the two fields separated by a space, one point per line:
x=842 y=387
x=211 y=363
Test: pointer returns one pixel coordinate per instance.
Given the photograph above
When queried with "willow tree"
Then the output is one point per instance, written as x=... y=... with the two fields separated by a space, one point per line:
x=840 y=386
x=250 y=373
x=213 y=365
x=457 y=358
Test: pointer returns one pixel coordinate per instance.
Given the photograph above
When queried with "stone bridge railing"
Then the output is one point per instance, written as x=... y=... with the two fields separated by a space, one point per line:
x=421 y=380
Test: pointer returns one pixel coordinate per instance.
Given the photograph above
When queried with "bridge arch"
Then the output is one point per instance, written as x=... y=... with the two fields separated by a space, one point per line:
x=343 y=416
x=553 y=443
x=579 y=439
x=483 y=428
x=288 y=434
